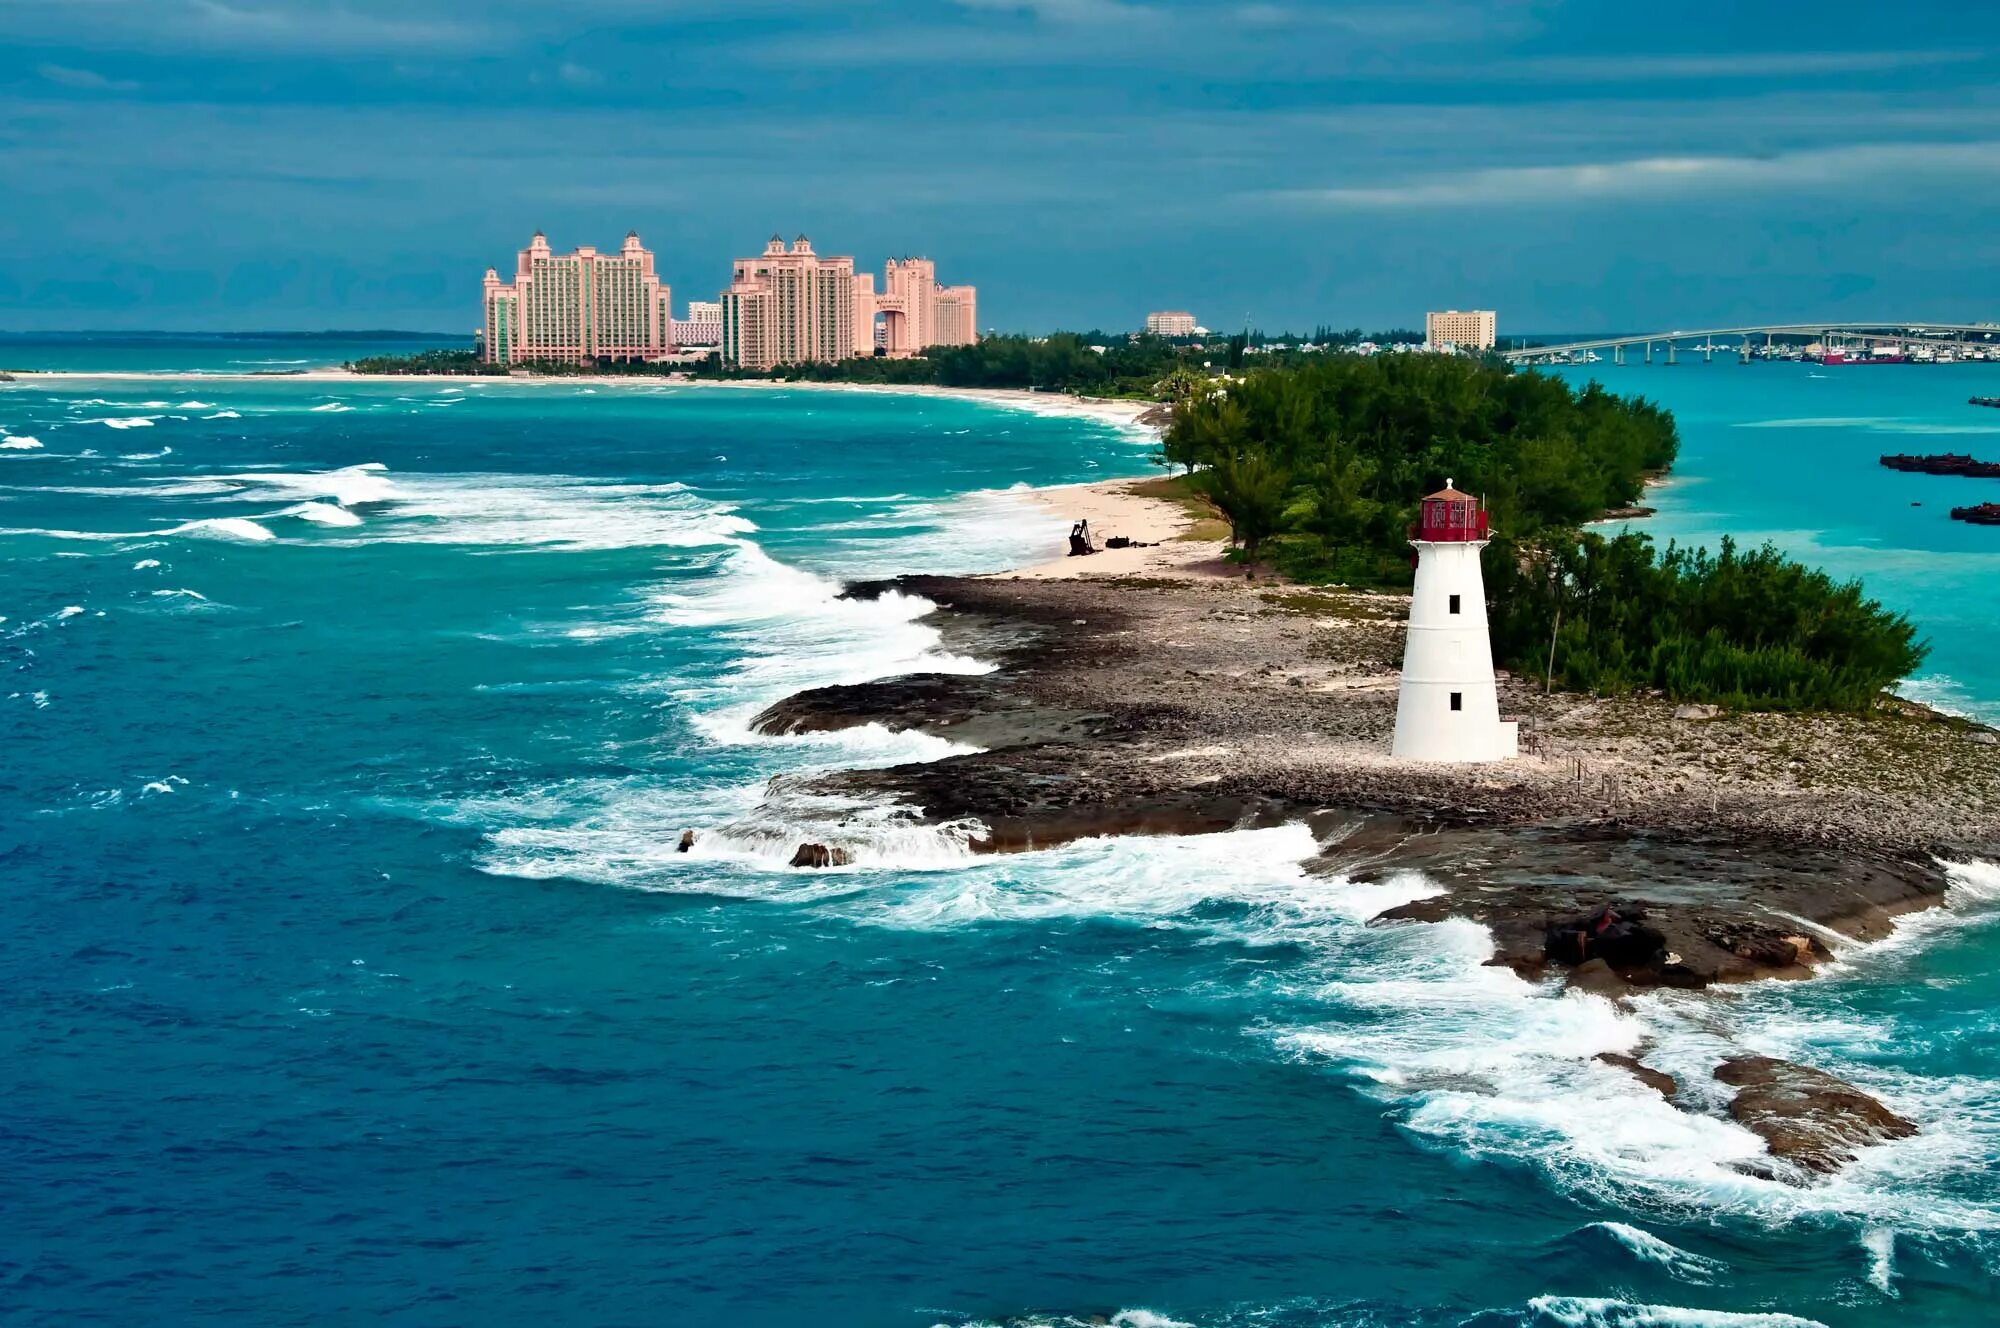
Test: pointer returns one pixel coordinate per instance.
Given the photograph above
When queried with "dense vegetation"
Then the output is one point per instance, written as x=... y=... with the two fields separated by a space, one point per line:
x=1089 y=363
x=1319 y=471
x=425 y=362
x=1747 y=630
x=1320 y=468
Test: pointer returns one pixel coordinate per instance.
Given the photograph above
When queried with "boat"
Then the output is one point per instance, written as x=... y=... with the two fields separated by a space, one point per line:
x=1983 y=401
x=1984 y=514
x=1872 y=357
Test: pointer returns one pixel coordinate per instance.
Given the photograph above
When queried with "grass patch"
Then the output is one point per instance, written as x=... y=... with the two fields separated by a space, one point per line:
x=1206 y=520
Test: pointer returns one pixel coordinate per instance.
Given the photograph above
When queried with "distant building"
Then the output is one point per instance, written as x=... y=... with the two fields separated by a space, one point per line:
x=1171 y=323
x=1466 y=329
x=788 y=306
x=577 y=306
x=957 y=316
x=702 y=326
x=792 y=306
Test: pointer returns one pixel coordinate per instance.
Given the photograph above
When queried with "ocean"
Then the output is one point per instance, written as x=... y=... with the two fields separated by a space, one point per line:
x=353 y=975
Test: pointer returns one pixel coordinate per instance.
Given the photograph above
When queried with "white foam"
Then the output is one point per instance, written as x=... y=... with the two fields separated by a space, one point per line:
x=124 y=422
x=70 y=612
x=223 y=527
x=180 y=594
x=195 y=405
x=1592 y=1312
x=323 y=514
x=145 y=563
x=145 y=456
x=223 y=415
x=332 y=407
x=1649 y=1248
x=1880 y=1242
x=348 y=485
x=1145 y=1319
x=20 y=443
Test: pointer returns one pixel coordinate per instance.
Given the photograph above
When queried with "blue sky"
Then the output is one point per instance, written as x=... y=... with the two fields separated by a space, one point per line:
x=237 y=164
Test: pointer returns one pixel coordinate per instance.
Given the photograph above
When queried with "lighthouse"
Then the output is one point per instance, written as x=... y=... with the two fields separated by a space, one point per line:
x=1449 y=708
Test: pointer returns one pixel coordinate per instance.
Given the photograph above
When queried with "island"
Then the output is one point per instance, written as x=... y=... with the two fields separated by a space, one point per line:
x=1712 y=763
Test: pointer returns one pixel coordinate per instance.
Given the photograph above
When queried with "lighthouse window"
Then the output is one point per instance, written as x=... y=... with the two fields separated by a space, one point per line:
x=1454 y=604
x=1458 y=700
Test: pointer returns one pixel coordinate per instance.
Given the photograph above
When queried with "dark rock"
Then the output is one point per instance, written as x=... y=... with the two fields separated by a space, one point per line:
x=819 y=855
x=1763 y=945
x=687 y=842
x=1805 y=1116
x=1617 y=934
x=1598 y=978
x=1658 y=1080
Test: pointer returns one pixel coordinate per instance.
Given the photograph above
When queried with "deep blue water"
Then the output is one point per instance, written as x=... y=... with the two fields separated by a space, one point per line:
x=353 y=976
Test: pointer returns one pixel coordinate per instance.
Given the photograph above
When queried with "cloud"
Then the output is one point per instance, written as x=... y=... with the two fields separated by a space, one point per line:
x=1836 y=168
x=1755 y=64
x=84 y=80
x=1060 y=11
x=322 y=27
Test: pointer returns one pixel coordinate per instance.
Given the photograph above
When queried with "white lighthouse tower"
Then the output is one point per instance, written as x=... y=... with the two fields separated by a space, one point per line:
x=1448 y=708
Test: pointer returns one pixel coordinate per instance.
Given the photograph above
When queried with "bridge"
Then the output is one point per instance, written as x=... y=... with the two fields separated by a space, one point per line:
x=1937 y=336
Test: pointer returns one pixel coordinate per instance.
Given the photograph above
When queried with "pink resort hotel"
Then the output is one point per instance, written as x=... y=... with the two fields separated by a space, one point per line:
x=785 y=306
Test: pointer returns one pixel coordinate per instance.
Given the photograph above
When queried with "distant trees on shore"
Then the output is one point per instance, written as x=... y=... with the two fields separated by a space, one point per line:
x=1319 y=469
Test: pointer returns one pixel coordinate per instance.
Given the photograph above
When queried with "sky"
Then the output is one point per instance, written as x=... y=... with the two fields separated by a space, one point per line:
x=1577 y=166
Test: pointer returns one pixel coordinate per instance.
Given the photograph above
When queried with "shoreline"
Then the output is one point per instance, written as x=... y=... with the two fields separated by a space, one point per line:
x=1109 y=410
x=1124 y=701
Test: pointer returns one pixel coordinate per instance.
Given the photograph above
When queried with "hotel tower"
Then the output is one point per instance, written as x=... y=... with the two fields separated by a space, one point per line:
x=578 y=306
x=789 y=305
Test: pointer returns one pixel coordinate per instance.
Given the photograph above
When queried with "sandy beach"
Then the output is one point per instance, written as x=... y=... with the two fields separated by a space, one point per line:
x=1109 y=410
x=1166 y=541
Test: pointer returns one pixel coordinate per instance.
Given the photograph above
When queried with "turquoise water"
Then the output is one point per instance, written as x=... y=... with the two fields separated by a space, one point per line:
x=353 y=976
x=172 y=352
x=1788 y=453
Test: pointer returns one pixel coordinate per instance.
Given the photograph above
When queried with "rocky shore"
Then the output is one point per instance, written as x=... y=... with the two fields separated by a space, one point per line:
x=1133 y=705
x=1739 y=846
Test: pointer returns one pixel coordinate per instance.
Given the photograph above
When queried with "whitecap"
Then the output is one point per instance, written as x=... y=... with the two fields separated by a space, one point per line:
x=223 y=527
x=223 y=415
x=145 y=456
x=195 y=405
x=332 y=406
x=1649 y=1248
x=1594 y=1312
x=20 y=443
x=347 y=486
x=70 y=612
x=180 y=594
x=145 y=563
x=323 y=514
x=124 y=422
x=1880 y=1242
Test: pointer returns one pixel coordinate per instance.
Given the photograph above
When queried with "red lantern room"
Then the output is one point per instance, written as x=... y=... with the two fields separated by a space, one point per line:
x=1449 y=515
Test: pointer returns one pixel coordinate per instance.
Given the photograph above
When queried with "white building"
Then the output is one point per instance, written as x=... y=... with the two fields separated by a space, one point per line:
x=1466 y=329
x=702 y=326
x=1171 y=323
x=1448 y=708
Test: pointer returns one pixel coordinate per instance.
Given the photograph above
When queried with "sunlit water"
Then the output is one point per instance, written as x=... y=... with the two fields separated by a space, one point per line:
x=353 y=975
